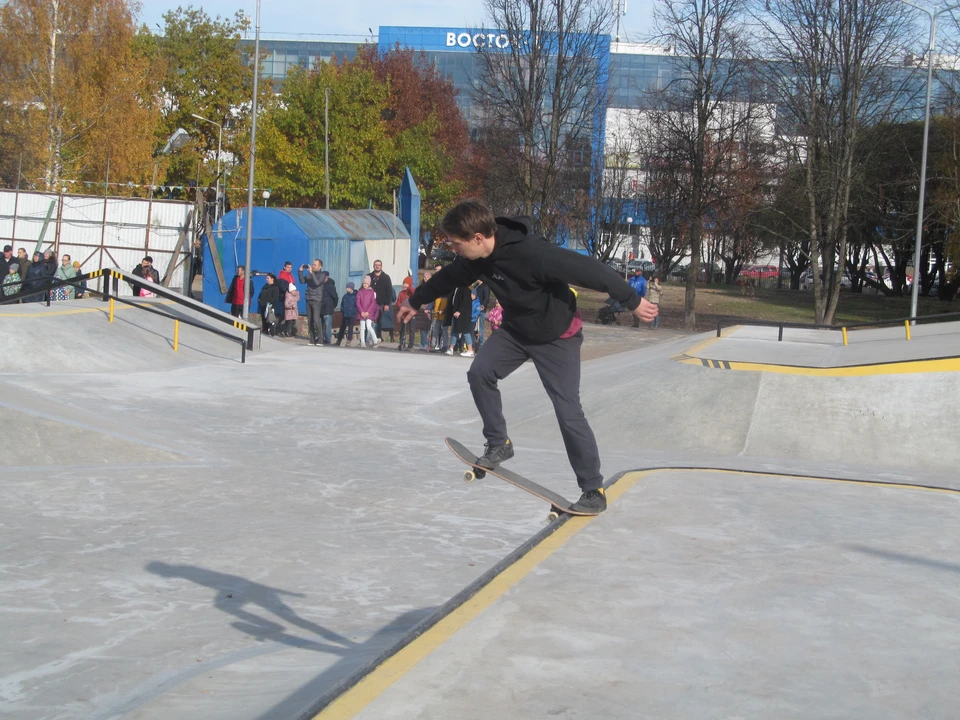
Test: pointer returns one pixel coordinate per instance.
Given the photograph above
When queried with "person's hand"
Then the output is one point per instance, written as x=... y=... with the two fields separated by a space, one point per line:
x=646 y=310
x=456 y=314
x=386 y=308
x=406 y=312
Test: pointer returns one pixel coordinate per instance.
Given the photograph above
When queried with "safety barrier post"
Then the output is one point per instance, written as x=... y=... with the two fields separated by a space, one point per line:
x=176 y=335
x=113 y=304
x=844 y=331
x=906 y=324
x=243 y=352
x=780 y=334
x=249 y=337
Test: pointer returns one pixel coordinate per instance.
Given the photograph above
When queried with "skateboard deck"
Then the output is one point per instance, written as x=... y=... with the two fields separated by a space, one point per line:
x=558 y=503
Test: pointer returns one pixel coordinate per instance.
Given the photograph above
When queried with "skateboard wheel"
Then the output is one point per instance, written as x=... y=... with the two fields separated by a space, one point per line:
x=469 y=476
x=552 y=515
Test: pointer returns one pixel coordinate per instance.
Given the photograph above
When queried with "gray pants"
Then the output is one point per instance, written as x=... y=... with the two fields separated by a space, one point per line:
x=558 y=364
x=314 y=322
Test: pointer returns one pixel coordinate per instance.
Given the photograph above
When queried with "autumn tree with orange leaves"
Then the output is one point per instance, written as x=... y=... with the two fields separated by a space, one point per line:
x=73 y=93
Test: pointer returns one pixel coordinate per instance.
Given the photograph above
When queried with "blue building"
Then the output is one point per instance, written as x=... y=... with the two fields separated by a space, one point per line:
x=347 y=241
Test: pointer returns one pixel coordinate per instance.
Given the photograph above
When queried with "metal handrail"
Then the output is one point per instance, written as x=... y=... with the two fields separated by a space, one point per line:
x=116 y=275
x=839 y=328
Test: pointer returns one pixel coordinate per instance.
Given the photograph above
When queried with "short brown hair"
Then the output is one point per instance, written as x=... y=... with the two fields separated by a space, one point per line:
x=467 y=218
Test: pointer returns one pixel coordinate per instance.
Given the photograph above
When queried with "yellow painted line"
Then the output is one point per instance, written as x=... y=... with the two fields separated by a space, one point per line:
x=354 y=700
x=693 y=350
x=77 y=311
x=385 y=675
x=896 y=368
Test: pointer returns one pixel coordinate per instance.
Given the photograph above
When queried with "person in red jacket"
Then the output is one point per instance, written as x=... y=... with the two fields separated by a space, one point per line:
x=531 y=278
x=235 y=293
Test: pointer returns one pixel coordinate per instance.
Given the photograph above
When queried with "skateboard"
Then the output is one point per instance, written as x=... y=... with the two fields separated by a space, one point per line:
x=558 y=503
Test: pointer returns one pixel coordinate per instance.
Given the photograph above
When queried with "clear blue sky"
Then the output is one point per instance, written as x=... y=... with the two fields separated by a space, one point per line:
x=327 y=18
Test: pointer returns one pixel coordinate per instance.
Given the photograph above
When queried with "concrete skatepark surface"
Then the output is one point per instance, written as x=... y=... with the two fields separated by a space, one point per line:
x=185 y=536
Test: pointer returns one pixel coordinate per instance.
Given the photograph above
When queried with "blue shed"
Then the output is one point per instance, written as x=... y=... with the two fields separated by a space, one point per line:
x=347 y=241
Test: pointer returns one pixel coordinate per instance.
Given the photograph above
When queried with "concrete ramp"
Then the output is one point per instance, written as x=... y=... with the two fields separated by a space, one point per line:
x=701 y=594
x=77 y=337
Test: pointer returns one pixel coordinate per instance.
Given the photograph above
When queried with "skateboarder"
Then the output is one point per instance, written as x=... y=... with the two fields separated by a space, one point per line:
x=530 y=277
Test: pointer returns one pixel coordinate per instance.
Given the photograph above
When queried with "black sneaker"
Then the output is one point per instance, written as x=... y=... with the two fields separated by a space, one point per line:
x=592 y=501
x=493 y=455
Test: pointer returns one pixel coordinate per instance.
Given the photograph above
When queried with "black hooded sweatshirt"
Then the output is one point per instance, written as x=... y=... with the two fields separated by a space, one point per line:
x=530 y=278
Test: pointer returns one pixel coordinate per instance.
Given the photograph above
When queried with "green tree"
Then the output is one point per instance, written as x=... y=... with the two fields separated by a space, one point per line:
x=74 y=92
x=200 y=69
x=387 y=111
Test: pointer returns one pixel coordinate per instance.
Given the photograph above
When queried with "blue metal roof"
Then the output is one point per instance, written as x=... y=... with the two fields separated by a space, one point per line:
x=346 y=224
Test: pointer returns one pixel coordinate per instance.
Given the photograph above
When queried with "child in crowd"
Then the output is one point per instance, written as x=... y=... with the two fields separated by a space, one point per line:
x=348 y=311
x=368 y=311
x=476 y=309
x=12 y=282
x=424 y=321
x=291 y=311
x=408 y=327
x=495 y=316
x=439 y=332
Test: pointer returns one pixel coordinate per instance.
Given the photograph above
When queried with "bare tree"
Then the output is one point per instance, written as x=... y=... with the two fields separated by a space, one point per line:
x=829 y=63
x=543 y=82
x=698 y=110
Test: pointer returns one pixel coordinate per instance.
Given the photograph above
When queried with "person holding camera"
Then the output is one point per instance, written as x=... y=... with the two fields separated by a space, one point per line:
x=314 y=278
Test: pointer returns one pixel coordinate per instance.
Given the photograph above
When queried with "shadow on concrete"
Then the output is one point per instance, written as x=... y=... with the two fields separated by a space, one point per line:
x=235 y=593
x=903 y=557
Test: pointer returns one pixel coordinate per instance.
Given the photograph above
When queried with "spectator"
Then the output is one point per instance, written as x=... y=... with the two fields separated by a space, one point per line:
x=348 y=314
x=423 y=322
x=235 y=293
x=291 y=311
x=50 y=263
x=328 y=306
x=5 y=261
x=81 y=289
x=284 y=279
x=439 y=328
x=147 y=271
x=314 y=278
x=368 y=309
x=268 y=302
x=24 y=262
x=37 y=280
x=654 y=294
x=476 y=313
x=65 y=272
x=12 y=283
x=406 y=328
x=495 y=316
x=383 y=287
x=639 y=284
x=196 y=263
x=483 y=295
x=460 y=323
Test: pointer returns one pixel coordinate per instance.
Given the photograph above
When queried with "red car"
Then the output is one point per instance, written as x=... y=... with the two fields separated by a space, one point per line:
x=759 y=272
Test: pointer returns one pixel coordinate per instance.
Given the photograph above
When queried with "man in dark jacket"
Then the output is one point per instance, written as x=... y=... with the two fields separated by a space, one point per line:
x=383 y=286
x=328 y=304
x=6 y=260
x=314 y=278
x=541 y=323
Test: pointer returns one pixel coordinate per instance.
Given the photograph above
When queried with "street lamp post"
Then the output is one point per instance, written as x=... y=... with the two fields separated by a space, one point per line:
x=266 y=196
x=626 y=270
x=247 y=285
x=933 y=15
x=219 y=146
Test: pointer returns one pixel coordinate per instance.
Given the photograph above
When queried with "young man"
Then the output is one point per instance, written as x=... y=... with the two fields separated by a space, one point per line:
x=383 y=286
x=314 y=277
x=530 y=277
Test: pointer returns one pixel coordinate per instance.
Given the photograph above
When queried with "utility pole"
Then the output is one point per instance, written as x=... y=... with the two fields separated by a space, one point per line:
x=247 y=285
x=326 y=141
